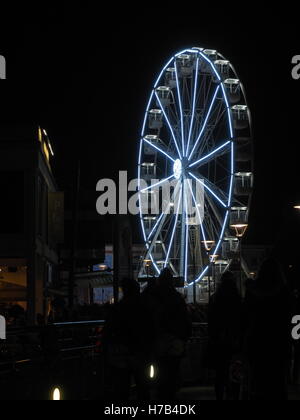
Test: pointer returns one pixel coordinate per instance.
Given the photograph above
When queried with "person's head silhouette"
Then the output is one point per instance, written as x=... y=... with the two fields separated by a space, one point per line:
x=165 y=279
x=130 y=287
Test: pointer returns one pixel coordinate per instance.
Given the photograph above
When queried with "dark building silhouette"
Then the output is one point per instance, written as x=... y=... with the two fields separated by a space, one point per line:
x=31 y=222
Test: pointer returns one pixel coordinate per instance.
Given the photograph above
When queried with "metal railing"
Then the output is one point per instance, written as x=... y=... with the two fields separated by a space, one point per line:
x=66 y=353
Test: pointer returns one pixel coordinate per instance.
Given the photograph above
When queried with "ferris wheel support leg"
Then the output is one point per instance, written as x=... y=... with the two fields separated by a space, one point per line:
x=182 y=239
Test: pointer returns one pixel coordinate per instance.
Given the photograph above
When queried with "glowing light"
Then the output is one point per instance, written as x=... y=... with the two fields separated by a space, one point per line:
x=197 y=208
x=156 y=224
x=230 y=123
x=147 y=263
x=157 y=184
x=240 y=229
x=169 y=125
x=162 y=72
x=186 y=240
x=146 y=113
x=208 y=245
x=220 y=196
x=232 y=174
x=174 y=229
x=210 y=154
x=139 y=186
x=222 y=233
x=46 y=152
x=209 y=189
x=180 y=108
x=205 y=122
x=50 y=148
x=210 y=63
x=194 y=106
x=200 y=277
x=154 y=264
x=56 y=395
x=213 y=258
x=225 y=96
x=152 y=372
x=228 y=110
x=159 y=149
x=40 y=136
x=177 y=168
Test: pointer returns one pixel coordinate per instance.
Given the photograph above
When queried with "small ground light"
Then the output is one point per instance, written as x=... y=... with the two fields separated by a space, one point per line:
x=56 y=395
x=152 y=372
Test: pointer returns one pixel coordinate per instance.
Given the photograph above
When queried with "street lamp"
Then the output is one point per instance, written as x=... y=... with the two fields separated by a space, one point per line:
x=297 y=207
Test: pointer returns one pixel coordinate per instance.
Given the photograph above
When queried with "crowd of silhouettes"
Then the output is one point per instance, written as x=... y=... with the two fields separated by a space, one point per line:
x=143 y=330
x=250 y=339
x=250 y=345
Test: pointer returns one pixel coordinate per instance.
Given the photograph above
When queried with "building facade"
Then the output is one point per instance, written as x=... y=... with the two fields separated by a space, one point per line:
x=31 y=219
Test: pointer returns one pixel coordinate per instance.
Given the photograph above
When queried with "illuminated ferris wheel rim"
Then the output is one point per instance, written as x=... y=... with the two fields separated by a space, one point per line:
x=185 y=150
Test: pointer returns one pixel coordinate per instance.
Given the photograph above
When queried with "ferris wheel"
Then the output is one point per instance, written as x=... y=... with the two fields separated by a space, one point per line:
x=197 y=139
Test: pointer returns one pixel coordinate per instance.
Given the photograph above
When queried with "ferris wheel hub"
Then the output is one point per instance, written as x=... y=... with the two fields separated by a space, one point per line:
x=180 y=167
x=177 y=168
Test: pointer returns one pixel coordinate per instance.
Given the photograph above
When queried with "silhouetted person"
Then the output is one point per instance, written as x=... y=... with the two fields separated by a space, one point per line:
x=224 y=324
x=267 y=335
x=126 y=344
x=172 y=330
x=150 y=305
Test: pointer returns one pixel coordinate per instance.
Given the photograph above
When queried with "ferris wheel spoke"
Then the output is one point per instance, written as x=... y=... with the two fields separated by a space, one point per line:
x=159 y=149
x=216 y=213
x=155 y=226
x=210 y=134
x=212 y=228
x=210 y=188
x=158 y=184
x=197 y=210
x=208 y=223
x=194 y=107
x=186 y=244
x=222 y=194
x=205 y=121
x=174 y=229
x=212 y=155
x=169 y=124
x=156 y=234
x=171 y=265
x=180 y=107
x=159 y=226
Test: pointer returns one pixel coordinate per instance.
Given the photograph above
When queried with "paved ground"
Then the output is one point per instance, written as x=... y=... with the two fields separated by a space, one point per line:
x=206 y=393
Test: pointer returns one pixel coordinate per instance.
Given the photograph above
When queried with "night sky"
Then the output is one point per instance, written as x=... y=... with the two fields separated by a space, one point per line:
x=85 y=75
